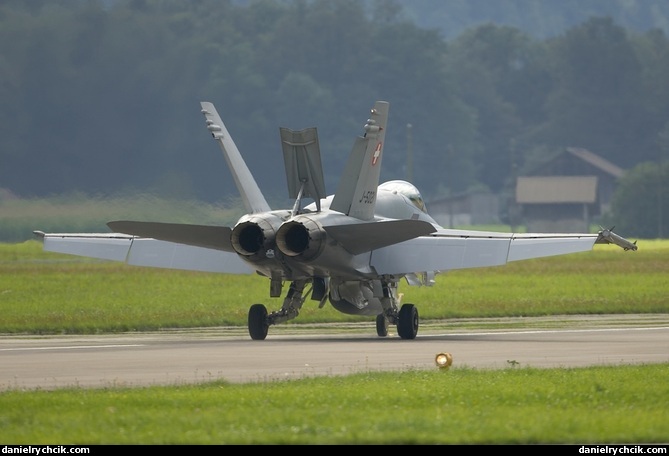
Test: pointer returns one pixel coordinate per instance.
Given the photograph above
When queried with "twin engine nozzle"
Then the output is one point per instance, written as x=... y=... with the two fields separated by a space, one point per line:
x=257 y=236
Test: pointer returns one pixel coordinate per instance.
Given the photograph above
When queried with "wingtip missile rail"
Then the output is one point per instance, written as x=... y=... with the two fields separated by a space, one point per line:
x=607 y=236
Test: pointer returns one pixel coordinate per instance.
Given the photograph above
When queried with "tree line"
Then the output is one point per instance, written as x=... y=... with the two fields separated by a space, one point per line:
x=103 y=97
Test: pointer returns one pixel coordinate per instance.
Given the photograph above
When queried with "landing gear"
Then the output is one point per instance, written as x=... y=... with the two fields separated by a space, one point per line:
x=407 y=322
x=405 y=317
x=259 y=320
x=381 y=325
x=258 y=325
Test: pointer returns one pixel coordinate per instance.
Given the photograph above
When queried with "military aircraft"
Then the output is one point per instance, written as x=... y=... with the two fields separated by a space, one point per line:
x=351 y=248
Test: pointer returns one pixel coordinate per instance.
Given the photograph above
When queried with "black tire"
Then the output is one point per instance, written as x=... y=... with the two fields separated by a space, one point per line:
x=258 y=322
x=381 y=325
x=407 y=322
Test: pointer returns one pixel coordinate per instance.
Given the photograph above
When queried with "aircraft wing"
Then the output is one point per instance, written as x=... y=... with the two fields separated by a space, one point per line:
x=208 y=236
x=138 y=251
x=460 y=249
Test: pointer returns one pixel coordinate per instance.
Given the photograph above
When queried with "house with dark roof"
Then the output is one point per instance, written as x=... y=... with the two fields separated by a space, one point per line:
x=478 y=207
x=567 y=192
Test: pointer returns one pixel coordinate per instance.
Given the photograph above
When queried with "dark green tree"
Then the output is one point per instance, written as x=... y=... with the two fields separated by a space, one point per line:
x=640 y=205
x=102 y=96
x=652 y=49
x=497 y=69
x=596 y=100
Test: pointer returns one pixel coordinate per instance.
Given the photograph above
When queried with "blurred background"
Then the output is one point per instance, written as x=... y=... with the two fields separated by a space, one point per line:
x=527 y=114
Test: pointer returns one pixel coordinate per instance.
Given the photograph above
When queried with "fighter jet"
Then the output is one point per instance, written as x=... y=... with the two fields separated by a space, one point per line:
x=351 y=249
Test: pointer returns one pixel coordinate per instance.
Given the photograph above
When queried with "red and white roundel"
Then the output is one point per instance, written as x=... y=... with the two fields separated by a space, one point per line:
x=377 y=154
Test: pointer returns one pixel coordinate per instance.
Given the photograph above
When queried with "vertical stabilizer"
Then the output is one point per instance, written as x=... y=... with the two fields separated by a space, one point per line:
x=356 y=194
x=253 y=199
x=302 y=159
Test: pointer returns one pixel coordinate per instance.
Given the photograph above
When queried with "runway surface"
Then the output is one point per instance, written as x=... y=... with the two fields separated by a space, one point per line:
x=178 y=357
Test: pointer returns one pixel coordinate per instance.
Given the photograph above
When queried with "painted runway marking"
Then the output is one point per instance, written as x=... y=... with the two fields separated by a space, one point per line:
x=549 y=331
x=76 y=347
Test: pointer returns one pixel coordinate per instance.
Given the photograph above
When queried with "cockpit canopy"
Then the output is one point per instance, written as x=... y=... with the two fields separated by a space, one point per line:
x=407 y=189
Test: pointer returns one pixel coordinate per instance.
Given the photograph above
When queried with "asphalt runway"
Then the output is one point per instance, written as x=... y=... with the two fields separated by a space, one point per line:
x=179 y=357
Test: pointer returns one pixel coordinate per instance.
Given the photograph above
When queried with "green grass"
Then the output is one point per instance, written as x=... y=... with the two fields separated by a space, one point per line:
x=48 y=293
x=81 y=213
x=460 y=406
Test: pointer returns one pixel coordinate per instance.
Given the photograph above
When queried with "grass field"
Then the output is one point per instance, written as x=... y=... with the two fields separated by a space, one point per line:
x=44 y=293
x=461 y=406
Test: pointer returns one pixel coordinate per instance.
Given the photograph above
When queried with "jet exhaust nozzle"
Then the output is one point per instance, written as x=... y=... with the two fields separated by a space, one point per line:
x=254 y=236
x=303 y=239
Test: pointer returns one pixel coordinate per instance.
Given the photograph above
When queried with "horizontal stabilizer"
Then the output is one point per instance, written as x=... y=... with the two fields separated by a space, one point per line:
x=358 y=238
x=213 y=237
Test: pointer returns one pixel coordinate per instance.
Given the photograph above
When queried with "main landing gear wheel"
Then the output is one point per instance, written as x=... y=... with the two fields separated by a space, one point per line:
x=381 y=325
x=258 y=322
x=407 y=324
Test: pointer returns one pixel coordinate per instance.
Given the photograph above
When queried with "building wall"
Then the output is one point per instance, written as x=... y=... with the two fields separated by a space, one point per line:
x=554 y=215
x=464 y=210
x=567 y=225
x=557 y=218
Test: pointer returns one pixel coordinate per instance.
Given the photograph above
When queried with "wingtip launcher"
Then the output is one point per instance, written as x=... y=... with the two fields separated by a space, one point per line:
x=607 y=236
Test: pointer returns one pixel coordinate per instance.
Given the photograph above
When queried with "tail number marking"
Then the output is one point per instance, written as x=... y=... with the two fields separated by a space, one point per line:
x=368 y=197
